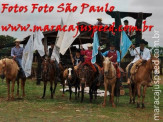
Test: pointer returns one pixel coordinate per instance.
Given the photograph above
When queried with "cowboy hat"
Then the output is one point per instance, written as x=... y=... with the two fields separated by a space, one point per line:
x=142 y=41
x=89 y=45
x=112 y=44
x=17 y=40
x=99 y=19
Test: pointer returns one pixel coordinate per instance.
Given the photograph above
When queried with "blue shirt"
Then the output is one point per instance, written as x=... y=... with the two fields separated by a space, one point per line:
x=118 y=55
x=18 y=52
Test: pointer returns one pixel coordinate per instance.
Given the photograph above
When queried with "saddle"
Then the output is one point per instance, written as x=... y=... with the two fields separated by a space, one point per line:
x=136 y=66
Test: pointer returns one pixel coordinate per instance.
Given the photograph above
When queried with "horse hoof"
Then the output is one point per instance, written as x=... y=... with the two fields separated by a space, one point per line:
x=103 y=104
x=138 y=105
x=143 y=106
x=113 y=106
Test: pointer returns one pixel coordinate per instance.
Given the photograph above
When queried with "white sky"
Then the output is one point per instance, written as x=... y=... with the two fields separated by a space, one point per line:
x=151 y=6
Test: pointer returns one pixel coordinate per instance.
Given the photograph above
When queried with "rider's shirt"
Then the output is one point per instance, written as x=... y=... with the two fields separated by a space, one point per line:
x=78 y=60
x=114 y=54
x=145 y=54
x=88 y=54
x=18 y=52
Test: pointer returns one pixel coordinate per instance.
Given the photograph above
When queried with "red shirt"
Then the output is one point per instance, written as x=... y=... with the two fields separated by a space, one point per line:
x=88 y=54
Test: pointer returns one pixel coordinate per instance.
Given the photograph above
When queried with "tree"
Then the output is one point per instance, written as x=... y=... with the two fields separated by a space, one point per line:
x=6 y=42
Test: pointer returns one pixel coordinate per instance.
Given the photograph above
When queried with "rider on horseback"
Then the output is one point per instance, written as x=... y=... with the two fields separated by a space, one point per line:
x=115 y=57
x=17 y=53
x=141 y=52
x=87 y=57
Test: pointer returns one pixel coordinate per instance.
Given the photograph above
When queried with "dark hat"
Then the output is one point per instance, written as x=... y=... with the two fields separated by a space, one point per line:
x=125 y=21
x=78 y=50
x=52 y=42
x=142 y=41
x=113 y=44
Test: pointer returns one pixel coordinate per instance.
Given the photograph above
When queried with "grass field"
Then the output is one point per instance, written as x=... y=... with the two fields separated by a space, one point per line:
x=35 y=109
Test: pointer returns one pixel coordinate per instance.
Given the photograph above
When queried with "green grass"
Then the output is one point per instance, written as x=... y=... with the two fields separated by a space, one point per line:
x=32 y=108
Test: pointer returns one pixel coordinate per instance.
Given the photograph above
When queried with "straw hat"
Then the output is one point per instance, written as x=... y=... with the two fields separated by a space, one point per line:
x=89 y=45
x=99 y=19
x=17 y=40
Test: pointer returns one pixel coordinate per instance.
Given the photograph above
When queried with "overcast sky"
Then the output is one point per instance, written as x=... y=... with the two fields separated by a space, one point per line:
x=150 y=6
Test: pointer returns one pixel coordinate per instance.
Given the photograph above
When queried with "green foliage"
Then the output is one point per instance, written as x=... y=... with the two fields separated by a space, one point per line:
x=4 y=41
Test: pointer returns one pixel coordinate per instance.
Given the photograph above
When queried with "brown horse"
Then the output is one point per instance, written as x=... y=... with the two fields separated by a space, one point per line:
x=141 y=78
x=71 y=76
x=10 y=69
x=48 y=74
x=109 y=79
x=88 y=78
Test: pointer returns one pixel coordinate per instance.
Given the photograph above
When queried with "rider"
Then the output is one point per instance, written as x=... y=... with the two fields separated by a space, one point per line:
x=17 y=53
x=88 y=56
x=115 y=58
x=140 y=53
x=54 y=61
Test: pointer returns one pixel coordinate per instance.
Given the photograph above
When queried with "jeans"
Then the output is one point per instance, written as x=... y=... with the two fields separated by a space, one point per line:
x=129 y=68
x=19 y=62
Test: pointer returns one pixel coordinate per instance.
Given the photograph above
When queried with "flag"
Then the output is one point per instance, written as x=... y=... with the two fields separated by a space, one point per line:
x=38 y=36
x=68 y=38
x=125 y=44
x=27 y=58
x=55 y=54
x=58 y=42
x=60 y=36
x=95 y=47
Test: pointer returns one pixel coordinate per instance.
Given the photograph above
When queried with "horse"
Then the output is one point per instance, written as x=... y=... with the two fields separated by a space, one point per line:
x=88 y=78
x=10 y=70
x=109 y=79
x=48 y=74
x=141 y=78
x=71 y=76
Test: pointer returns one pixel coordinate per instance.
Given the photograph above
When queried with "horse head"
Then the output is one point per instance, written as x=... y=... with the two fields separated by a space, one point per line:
x=2 y=68
x=107 y=65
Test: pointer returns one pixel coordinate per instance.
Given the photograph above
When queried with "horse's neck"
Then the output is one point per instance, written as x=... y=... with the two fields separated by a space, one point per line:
x=148 y=66
x=112 y=70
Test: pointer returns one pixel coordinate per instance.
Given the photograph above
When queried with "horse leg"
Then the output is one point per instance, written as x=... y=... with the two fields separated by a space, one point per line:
x=8 y=88
x=134 y=93
x=18 y=88
x=55 y=88
x=63 y=89
x=82 y=91
x=130 y=93
x=76 y=92
x=144 y=91
x=45 y=83
x=112 y=95
x=105 y=94
x=12 y=89
x=22 y=87
x=70 y=92
x=90 y=94
x=138 y=92
x=51 y=89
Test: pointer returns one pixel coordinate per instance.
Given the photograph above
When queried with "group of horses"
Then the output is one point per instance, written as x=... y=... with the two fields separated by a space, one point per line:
x=80 y=78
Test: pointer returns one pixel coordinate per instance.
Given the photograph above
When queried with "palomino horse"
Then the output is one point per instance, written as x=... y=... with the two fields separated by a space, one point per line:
x=141 y=78
x=109 y=79
x=71 y=76
x=48 y=74
x=10 y=69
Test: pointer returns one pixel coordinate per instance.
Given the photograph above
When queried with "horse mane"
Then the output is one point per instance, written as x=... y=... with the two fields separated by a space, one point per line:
x=10 y=63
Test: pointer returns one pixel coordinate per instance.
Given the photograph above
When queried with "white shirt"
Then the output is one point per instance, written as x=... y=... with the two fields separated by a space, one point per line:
x=145 y=56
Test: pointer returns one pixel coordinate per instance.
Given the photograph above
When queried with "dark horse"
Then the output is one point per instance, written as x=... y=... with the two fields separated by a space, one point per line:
x=72 y=79
x=90 y=78
x=48 y=74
